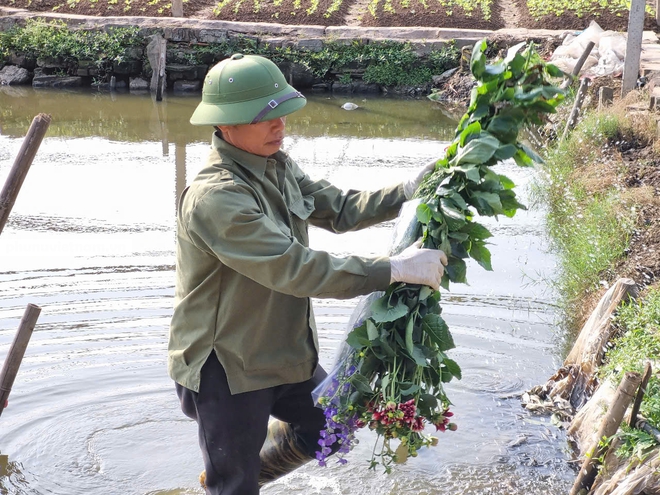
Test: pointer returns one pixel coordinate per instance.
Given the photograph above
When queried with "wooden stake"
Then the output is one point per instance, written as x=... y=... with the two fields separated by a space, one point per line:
x=633 y=46
x=177 y=8
x=17 y=351
x=578 y=64
x=608 y=427
x=19 y=170
x=162 y=55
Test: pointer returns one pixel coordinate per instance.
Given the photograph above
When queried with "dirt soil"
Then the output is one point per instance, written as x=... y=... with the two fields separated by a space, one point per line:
x=423 y=13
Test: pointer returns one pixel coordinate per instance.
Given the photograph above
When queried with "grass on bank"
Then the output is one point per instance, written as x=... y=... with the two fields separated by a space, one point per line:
x=591 y=218
x=592 y=215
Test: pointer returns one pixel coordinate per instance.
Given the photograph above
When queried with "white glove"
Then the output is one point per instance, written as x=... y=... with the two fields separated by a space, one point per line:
x=411 y=185
x=416 y=265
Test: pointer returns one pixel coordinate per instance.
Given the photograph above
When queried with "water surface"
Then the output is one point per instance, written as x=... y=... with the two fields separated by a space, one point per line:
x=91 y=240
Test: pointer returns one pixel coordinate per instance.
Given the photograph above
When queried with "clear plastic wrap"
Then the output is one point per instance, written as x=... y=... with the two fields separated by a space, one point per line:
x=406 y=231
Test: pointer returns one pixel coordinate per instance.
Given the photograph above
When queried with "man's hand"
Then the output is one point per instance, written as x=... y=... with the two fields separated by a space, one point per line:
x=411 y=185
x=416 y=265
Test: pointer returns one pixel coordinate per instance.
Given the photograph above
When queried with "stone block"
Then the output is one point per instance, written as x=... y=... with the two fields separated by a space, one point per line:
x=177 y=34
x=342 y=88
x=177 y=72
x=12 y=75
x=50 y=63
x=184 y=86
x=211 y=35
x=138 y=84
x=363 y=87
x=56 y=82
x=273 y=43
x=313 y=45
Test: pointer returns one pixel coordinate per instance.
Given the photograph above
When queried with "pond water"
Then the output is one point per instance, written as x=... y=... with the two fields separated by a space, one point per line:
x=91 y=240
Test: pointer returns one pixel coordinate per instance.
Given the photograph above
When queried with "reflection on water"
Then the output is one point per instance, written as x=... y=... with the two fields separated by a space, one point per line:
x=91 y=241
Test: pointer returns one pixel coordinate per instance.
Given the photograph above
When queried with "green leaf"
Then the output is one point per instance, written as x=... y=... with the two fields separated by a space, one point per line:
x=456 y=270
x=522 y=159
x=382 y=311
x=453 y=367
x=428 y=402
x=419 y=357
x=358 y=337
x=455 y=219
x=471 y=171
x=476 y=231
x=385 y=346
x=369 y=365
x=478 y=59
x=554 y=71
x=481 y=255
x=531 y=153
x=477 y=151
x=506 y=182
x=506 y=152
x=424 y=213
x=372 y=330
x=505 y=128
x=472 y=129
x=361 y=384
x=409 y=390
x=425 y=292
x=486 y=203
x=495 y=69
x=436 y=328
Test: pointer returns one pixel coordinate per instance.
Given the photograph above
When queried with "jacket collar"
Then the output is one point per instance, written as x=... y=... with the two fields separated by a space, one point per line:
x=254 y=163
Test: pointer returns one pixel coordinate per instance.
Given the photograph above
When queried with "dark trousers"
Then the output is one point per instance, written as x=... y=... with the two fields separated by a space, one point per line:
x=232 y=428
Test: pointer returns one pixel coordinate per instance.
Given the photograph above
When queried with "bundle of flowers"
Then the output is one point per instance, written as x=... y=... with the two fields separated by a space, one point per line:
x=392 y=368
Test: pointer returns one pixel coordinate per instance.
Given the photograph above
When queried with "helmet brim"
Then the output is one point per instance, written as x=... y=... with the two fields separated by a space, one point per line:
x=244 y=112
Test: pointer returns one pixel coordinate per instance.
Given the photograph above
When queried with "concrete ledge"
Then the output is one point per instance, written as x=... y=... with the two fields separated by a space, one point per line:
x=209 y=31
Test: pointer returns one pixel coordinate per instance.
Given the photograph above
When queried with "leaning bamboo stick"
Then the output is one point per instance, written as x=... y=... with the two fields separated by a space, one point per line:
x=646 y=376
x=17 y=174
x=17 y=351
x=610 y=424
x=577 y=105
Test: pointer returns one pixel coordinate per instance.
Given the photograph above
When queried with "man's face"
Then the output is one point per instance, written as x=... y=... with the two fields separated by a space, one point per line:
x=263 y=138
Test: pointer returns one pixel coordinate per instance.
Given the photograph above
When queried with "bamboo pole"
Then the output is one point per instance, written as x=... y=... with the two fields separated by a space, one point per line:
x=577 y=105
x=17 y=351
x=608 y=427
x=19 y=170
x=579 y=64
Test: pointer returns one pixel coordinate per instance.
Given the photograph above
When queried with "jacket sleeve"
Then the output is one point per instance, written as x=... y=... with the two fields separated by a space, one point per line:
x=228 y=223
x=340 y=211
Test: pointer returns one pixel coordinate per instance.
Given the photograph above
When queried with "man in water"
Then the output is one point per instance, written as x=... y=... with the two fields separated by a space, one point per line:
x=243 y=345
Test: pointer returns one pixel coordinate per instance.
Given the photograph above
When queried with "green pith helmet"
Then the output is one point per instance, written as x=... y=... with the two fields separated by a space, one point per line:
x=245 y=89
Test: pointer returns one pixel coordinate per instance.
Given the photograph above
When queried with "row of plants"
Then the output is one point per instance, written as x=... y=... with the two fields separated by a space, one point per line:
x=580 y=8
x=109 y=7
x=389 y=63
x=310 y=7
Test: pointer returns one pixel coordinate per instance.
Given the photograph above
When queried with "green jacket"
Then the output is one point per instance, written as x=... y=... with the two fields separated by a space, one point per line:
x=245 y=272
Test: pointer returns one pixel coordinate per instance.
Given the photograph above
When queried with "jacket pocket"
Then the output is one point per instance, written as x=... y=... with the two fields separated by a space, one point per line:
x=301 y=210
